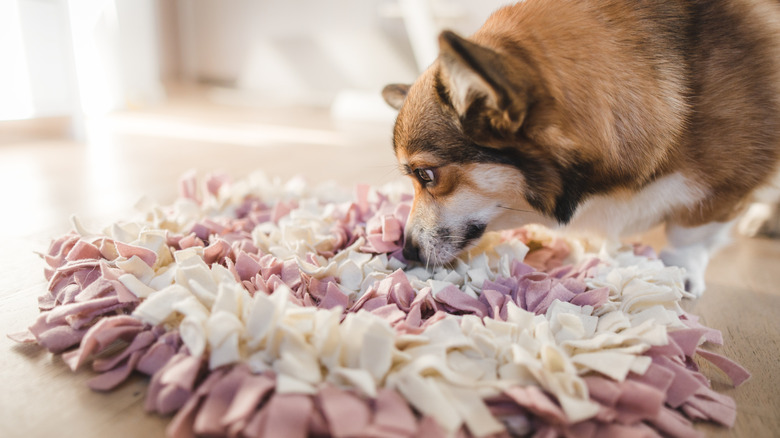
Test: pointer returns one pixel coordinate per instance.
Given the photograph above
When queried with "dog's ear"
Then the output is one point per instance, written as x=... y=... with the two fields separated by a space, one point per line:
x=490 y=92
x=395 y=94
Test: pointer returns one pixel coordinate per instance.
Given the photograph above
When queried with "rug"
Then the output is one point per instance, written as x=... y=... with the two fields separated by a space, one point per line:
x=267 y=308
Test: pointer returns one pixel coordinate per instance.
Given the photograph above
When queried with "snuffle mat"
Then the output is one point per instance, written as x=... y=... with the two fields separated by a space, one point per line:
x=262 y=308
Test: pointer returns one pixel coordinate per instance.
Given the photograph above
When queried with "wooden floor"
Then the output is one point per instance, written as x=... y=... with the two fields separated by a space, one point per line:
x=45 y=178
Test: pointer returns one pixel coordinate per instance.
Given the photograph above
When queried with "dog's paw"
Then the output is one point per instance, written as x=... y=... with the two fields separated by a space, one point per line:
x=761 y=219
x=694 y=261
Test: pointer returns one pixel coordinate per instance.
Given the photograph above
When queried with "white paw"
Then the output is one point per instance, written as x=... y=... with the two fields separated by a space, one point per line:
x=694 y=261
x=760 y=219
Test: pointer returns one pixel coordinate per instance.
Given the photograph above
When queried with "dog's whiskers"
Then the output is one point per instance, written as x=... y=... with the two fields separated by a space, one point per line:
x=515 y=209
x=455 y=239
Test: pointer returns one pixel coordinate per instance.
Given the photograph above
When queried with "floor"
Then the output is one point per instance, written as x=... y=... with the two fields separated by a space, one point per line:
x=45 y=178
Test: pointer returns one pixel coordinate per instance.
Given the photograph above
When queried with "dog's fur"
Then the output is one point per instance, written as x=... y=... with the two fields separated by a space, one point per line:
x=602 y=115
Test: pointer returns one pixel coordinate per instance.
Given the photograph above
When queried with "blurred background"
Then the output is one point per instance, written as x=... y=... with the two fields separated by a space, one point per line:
x=85 y=58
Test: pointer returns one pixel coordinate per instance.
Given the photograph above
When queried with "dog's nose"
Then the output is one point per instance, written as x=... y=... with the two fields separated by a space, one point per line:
x=411 y=251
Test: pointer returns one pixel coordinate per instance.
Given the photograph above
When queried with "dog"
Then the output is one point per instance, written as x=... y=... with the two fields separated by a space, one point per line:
x=598 y=116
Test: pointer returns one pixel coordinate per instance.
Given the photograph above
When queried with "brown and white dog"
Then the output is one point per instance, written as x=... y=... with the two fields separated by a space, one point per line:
x=606 y=116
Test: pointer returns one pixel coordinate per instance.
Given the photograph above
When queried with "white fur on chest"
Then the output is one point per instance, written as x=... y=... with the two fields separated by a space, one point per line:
x=621 y=214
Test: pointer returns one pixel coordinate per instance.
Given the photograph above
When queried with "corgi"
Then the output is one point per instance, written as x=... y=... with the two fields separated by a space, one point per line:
x=605 y=117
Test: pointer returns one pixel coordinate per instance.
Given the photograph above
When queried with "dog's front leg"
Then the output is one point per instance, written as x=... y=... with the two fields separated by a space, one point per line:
x=691 y=248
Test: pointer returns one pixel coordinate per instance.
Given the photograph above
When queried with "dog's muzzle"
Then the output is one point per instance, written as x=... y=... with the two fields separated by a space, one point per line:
x=441 y=247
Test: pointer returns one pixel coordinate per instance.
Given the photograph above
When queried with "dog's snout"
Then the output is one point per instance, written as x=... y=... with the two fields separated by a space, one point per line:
x=411 y=251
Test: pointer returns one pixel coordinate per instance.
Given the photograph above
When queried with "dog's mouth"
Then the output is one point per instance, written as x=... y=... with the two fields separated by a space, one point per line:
x=441 y=245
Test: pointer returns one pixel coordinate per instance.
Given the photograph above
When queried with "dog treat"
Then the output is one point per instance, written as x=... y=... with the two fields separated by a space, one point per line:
x=266 y=308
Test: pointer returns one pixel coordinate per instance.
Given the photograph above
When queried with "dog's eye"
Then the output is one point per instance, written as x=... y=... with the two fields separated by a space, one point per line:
x=425 y=175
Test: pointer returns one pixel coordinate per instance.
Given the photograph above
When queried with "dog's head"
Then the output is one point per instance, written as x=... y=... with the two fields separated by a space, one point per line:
x=472 y=133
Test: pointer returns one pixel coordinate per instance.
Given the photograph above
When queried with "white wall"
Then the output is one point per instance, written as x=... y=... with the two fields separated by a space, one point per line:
x=65 y=57
x=310 y=50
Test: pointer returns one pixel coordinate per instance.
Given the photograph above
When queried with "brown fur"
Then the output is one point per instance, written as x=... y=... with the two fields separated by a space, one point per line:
x=592 y=97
